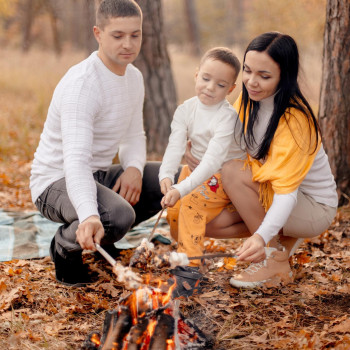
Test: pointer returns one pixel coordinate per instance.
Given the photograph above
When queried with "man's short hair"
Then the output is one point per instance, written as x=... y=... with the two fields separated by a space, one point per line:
x=116 y=8
x=224 y=55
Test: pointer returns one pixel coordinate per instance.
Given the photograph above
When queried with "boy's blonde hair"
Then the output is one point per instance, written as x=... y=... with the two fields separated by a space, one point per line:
x=224 y=55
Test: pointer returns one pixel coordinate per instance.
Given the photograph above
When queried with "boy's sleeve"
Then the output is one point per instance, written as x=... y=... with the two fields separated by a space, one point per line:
x=176 y=146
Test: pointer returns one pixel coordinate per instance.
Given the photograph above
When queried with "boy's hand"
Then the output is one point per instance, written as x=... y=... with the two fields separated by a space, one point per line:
x=89 y=232
x=129 y=185
x=252 y=249
x=191 y=161
x=170 y=198
x=165 y=185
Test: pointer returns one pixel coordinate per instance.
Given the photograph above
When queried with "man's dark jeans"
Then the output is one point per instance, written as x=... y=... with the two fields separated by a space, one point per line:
x=117 y=215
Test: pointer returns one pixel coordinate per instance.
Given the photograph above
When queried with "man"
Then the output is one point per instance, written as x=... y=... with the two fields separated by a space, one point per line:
x=96 y=113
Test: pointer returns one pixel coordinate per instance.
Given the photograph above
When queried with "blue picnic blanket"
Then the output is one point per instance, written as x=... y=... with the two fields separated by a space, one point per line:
x=27 y=235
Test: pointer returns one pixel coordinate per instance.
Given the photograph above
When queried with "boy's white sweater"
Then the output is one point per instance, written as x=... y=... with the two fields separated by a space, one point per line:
x=211 y=132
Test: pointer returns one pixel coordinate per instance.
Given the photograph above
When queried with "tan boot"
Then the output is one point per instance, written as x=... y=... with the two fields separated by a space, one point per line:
x=275 y=268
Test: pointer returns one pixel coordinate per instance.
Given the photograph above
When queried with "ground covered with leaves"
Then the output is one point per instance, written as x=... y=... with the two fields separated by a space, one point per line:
x=311 y=313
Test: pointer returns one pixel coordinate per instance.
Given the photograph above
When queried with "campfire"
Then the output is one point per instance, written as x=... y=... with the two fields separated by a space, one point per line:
x=148 y=319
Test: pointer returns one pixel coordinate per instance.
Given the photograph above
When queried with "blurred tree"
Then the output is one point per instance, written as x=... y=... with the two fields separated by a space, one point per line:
x=334 y=111
x=52 y=9
x=193 y=29
x=28 y=13
x=154 y=63
x=89 y=15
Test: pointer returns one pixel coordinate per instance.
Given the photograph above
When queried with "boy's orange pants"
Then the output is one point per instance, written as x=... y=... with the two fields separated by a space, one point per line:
x=189 y=216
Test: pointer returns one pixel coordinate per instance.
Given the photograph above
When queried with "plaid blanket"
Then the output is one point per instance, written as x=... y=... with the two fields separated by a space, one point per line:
x=27 y=235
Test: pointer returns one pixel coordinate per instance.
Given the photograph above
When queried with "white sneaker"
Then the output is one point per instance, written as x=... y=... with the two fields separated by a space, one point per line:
x=275 y=268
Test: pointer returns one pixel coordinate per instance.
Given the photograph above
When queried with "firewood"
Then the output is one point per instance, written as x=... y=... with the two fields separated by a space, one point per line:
x=116 y=333
x=164 y=330
x=89 y=344
x=136 y=335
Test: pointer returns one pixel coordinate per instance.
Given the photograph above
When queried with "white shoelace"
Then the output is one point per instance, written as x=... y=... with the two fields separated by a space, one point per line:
x=255 y=267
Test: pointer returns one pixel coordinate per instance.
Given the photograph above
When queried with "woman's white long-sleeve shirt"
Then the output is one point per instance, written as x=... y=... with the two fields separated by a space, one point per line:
x=211 y=131
x=94 y=114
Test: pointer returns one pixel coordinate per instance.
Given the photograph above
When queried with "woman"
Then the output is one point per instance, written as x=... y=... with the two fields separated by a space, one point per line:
x=285 y=191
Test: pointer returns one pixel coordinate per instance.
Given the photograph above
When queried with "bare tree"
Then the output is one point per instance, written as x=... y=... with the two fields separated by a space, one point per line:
x=334 y=111
x=193 y=28
x=52 y=9
x=90 y=15
x=28 y=13
x=154 y=63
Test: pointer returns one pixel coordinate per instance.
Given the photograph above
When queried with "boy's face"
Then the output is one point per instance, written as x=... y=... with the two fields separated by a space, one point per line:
x=214 y=81
x=119 y=42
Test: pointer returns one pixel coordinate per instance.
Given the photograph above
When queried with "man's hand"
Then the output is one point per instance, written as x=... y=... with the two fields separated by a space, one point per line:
x=89 y=232
x=165 y=185
x=170 y=198
x=191 y=161
x=129 y=185
x=252 y=249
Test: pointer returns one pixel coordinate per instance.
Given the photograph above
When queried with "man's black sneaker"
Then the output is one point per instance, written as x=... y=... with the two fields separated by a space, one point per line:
x=71 y=271
x=187 y=279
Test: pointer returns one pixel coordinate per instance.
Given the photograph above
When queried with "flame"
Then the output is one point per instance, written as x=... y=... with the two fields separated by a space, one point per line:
x=142 y=301
x=170 y=344
x=151 y=327
x=95 y=338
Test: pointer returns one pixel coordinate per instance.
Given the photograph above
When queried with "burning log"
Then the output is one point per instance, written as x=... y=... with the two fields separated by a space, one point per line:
x=163 y=333
x=136 y=335
x=116 y=325
x=92 y=341
x=147 y=320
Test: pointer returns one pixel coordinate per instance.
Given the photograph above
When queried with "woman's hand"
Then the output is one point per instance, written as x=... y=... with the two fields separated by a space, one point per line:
x=170 y=198
x=191 y=161
x=252 y=249
x=165 y=185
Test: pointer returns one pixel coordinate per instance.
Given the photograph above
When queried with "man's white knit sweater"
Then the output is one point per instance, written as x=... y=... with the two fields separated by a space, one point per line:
x=94 y=114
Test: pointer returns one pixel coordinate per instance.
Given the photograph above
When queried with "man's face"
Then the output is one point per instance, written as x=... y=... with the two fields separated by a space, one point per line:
x=119 y=42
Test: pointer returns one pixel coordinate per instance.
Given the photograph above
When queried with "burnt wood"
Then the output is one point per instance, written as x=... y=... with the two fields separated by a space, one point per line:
x=164 y=330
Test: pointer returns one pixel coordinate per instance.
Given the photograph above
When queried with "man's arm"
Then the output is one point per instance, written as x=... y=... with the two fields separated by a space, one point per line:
x=132 y=152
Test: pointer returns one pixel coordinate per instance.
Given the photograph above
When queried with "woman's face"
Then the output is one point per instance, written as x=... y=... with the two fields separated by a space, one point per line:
x=261 y=75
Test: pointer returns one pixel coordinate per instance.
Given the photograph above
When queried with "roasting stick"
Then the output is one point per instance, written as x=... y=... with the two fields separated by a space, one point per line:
x=105 y=254
x=212 y=256
x=155 y=225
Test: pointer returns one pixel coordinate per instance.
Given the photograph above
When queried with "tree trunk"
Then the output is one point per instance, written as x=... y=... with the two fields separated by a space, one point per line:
x=193 y=28
x=154 y=63
x=28 y=17
x=334 y=111
x=53 y=13
x=90 y=19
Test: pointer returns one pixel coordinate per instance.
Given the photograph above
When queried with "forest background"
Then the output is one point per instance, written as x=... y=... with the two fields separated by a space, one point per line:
x=39 y=41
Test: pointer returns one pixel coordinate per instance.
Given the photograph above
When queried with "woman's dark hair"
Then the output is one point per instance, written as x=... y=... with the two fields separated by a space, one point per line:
x=284 y=51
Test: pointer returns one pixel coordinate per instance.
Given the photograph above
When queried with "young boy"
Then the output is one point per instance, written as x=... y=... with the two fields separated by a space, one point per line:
x=208 y=121
x=95 y=113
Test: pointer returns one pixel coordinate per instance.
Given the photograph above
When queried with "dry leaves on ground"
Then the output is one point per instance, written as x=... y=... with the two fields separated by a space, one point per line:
x=311 y=313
